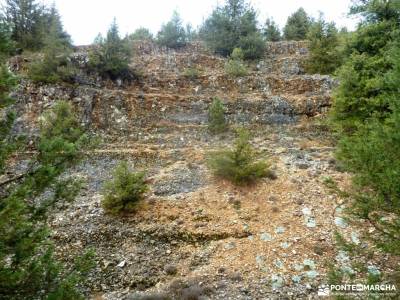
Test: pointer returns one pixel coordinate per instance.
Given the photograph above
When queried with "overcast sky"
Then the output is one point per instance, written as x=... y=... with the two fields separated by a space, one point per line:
x=84 y=19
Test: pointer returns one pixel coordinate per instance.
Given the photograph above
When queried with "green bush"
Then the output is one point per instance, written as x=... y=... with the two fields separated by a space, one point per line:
x=124 y=191
x=52 y=69
x=192 y=73
x=253 y=46
x=216 y=117
x=238 y=165
x=172 y=34
x=235 y=66
x=7 y=82
x=111 y=56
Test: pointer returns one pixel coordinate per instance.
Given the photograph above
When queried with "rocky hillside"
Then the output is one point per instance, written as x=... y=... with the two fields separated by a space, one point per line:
x=195 y=235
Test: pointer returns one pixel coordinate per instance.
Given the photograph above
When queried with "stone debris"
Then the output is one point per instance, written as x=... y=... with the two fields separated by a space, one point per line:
x=310 y=222
x=355 y=238
x=279 y=264
x=340 y=222
x=266 y=237
x=373 y=270
x=277 y=282
x=121 y=264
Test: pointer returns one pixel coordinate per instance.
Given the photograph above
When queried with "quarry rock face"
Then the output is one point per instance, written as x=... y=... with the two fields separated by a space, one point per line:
x=276 y=91
x=196 y=236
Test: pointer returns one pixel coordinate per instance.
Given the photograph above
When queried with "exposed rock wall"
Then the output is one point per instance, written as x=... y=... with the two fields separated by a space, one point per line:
x=275 y=91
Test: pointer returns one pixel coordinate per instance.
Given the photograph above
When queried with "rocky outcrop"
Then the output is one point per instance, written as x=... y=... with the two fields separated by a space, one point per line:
x=275 y=92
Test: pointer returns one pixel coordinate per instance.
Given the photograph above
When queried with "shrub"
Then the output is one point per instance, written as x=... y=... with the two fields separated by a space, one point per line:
x=111 y=55
x=238 y=165
x=52 y=69
x=231 y=26
x=172 y=34
x=237 y=54
x=192 y=73
x=216 y=117
x=124 y=191
x=235 y=66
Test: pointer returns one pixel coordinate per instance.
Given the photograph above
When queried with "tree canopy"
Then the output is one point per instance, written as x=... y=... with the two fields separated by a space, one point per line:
x=366 y=116
x=271 y=31
x=172 y=34
x=111 y=55
x=297 y=25
x=30 y=23
x=324 y=43
x=233 y=25
x=141 y=34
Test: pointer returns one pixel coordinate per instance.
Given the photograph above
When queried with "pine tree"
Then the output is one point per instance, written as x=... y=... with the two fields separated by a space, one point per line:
x=55 y=65
x=172 y=34
x=361 y=92
x=124 y=192
x=366 y=116
x=297 y=26
x=6 y=44
x=53 y=25
x=28 y=268
x=325 y=56
x=239 y=164
x=141 y=34
x=24 y=16
x=191 y=34
x=216 y=117
x=271 y=31
x=235 y=66
x=31 y=23
x=231 y=26
x=7 y=83
x=112 y=55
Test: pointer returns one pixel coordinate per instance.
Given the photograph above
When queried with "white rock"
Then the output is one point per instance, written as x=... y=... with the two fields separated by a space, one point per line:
x=121 y=264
